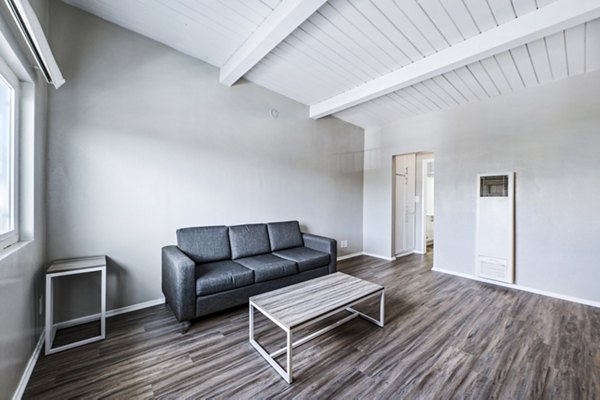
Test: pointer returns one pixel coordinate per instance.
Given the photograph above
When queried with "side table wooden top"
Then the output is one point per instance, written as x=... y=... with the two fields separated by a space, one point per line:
x=76 y=263
x=296 y=304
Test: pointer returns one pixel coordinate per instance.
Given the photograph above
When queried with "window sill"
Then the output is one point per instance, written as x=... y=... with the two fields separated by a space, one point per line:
x=13 y=248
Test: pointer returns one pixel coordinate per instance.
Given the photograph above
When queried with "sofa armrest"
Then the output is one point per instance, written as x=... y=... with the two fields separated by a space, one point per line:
x=324 y=244
x=179 y=282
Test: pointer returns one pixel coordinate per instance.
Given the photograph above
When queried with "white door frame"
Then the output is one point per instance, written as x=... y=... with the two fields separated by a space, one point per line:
x=422 y=249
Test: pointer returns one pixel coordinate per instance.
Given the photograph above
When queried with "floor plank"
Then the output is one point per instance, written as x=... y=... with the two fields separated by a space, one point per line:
x=445 y=337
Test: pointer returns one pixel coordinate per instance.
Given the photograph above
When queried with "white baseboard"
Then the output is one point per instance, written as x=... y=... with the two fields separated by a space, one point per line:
x=88 y=318
x=347 y=256
x=29 y=368
x=523 y=288
x=378 y=256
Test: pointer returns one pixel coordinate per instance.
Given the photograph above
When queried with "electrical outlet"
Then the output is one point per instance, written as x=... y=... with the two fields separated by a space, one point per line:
x=41 y=305
x=344 y=244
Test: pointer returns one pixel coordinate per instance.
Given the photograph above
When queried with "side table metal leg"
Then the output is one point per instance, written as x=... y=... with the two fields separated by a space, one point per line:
x=251 y=323
x=381 y=309
x=289 y=356
x=49 y=311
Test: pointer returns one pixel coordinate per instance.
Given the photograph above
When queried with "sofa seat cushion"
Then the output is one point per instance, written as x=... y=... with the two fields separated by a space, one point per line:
x=305 y=258
x=268 y=266
x=220 y=276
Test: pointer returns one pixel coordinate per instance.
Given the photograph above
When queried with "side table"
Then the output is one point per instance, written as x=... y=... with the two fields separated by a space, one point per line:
x=72 y=267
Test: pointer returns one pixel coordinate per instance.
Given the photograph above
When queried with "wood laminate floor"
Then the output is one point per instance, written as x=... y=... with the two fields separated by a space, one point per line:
x=445 y=337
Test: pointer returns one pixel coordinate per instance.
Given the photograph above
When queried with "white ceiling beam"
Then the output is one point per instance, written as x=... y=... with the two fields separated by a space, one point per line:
x=284 y=19
x=547 y=20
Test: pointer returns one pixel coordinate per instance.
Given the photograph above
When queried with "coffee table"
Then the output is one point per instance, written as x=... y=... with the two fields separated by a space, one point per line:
x=297 y=306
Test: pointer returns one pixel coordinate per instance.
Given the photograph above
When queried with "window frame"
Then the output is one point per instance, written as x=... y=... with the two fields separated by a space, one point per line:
x=9 y=238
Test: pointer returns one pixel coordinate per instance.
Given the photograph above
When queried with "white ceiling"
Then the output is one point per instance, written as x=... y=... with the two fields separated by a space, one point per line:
x=349 y=44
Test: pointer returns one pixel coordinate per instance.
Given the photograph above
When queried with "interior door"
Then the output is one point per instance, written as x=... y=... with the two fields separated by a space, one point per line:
x=404 y=204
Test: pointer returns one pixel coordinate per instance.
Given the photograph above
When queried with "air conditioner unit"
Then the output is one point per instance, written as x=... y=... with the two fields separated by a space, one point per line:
x=495 y=227
x=32 y=33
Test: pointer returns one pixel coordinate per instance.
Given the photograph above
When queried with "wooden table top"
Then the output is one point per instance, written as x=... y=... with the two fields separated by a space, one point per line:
x=296 y=304
x=77 y=263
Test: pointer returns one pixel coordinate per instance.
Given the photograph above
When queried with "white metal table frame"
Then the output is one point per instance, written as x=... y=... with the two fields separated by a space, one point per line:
x=270 y=357
x=51 y=327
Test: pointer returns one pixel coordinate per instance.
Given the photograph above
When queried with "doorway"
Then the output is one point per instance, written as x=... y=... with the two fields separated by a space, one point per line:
x=427 y=211
x=413 y=203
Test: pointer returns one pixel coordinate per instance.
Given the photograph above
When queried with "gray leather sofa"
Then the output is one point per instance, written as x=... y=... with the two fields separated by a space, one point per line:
x=217 y=267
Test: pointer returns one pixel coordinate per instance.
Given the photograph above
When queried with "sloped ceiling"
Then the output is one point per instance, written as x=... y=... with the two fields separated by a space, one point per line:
x=344 y=47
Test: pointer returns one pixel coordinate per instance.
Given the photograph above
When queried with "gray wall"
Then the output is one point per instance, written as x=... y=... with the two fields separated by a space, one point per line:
x=144 y=140
x=550 y=137
x=21 y=272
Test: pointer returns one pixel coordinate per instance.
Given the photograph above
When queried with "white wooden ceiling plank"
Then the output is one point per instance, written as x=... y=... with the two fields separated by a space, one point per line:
x=275 y=86
x=156 y=12
x=271 y=3
x=347 y=42
x=440 y=92
x=461 y=17
x=558 y=55
x=540 y=60
x=399 y=20
x=374 y=110
x=495 y=73
x=469 y=79
x=344 y=52
x=416 y=105
x=251 y=10
x=308 y=76
x=327 y=56
x=524 y=65
x=410 y=108
x=275 y=28
x=443 y=82
x=308 y=68
x=502 y=10
x=288 y=78
x=356 y=34
x=575 y=39
x=460 y=86
x=415 y=94
x=389 y=107
x=508 y=66
x=396 y=58
x=439 y=16
x=532 y=26
x=482 y=14
x=523 y=7
x=426 y=97
x=218 y=12
x=358 y=116
x=429 y=88
x=387 y=29
x=433 y=93
x=278 y=69
x=484 y=79
x=592 y=42
x=544 y=3
x=302 y=43
x=421 y=20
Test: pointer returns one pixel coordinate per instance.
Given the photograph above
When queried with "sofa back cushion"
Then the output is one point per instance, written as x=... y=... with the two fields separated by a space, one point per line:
x=204 y=243
x=248 y=240
x=285 y=235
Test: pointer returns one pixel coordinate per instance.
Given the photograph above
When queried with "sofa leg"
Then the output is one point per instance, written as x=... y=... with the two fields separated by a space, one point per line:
x=185 y=326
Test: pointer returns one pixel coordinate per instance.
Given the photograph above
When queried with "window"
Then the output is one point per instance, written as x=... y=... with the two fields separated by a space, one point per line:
x=9 y=91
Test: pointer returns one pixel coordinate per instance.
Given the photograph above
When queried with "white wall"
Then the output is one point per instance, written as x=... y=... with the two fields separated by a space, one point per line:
x=550 y=137
x=21 y=271
x=144 y=140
